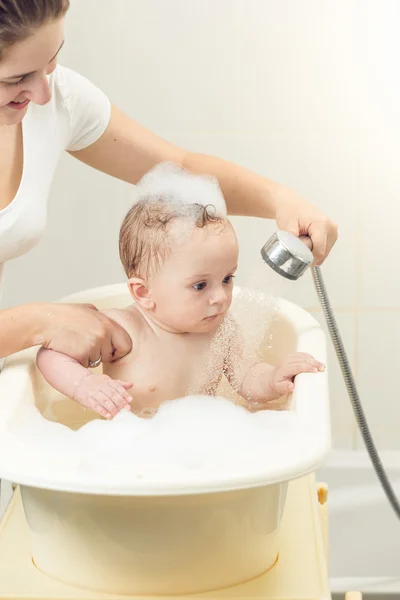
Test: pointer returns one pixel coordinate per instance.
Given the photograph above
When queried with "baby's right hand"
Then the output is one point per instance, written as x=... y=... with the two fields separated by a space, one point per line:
x=102 y=394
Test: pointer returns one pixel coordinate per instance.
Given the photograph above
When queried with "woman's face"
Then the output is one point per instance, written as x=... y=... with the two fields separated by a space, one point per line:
x=24 y=68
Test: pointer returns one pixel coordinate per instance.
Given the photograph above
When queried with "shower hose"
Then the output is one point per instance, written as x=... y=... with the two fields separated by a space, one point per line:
x=352 y=390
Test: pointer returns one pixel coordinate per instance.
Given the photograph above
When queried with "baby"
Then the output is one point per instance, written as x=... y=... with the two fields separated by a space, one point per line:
x=180 y=254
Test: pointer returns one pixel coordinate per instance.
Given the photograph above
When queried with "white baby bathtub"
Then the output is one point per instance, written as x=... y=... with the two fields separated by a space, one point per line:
x=156 y=536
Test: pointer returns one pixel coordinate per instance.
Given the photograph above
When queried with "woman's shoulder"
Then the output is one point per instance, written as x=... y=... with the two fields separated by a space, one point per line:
x=78 y=108
x=70 y=84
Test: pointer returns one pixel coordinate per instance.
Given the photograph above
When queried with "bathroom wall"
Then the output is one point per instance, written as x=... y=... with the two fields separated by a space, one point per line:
x=304 y=92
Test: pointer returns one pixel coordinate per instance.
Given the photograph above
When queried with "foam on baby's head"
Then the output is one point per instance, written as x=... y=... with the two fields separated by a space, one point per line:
x=172 y=184
x=166 y=195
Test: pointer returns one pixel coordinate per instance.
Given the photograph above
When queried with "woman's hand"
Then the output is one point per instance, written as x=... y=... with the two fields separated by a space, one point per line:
x=82 y=332
x=301 y=218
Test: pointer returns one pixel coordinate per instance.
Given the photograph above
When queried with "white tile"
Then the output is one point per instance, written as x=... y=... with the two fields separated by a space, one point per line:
x=206 y=65
x=342 y=419
x=378 y=370
x=380 y=218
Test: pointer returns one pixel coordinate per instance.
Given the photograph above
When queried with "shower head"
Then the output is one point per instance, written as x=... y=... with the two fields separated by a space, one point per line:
x=287 y=254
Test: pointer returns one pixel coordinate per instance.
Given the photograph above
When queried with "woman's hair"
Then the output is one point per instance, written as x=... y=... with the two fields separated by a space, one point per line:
x=20 y=18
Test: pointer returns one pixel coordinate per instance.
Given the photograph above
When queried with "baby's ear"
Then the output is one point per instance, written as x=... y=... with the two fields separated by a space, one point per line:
x=140 y=292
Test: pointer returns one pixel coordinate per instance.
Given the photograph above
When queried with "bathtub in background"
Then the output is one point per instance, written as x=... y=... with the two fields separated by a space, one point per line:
x=364 y=530
x=196 y=535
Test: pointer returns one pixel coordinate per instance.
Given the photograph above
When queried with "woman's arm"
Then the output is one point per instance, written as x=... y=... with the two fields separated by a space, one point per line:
x=127 y=150
x=21 y=327
x=79 y=330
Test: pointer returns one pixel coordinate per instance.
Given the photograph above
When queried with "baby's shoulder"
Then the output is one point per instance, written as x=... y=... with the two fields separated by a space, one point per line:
x=129 y=318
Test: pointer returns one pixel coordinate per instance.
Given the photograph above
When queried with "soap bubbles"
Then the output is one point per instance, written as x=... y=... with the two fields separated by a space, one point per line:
x=197 y=438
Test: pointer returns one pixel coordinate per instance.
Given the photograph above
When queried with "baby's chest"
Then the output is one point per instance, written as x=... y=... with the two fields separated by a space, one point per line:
x=180 y=364
x=172 y=369
x=164 y=366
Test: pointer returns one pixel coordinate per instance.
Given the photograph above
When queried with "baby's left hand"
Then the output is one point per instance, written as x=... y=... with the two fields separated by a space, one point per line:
x=282 y=377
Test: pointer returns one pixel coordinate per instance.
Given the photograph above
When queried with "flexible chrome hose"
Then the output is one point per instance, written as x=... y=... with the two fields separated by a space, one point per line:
x=352 y=390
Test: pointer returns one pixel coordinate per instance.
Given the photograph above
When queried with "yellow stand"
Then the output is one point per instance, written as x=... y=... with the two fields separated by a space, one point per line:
x=300 y=573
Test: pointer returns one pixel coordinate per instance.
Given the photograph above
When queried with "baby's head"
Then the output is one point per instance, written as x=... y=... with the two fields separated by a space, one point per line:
x=179 y=250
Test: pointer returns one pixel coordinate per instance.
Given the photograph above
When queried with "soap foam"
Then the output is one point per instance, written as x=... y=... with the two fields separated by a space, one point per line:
x=174 y=184
x=188 y=439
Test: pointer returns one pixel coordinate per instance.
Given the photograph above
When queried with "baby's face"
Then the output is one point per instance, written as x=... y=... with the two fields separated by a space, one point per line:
x=192 y=291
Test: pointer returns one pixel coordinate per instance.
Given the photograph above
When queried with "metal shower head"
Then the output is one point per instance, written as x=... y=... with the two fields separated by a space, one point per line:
x=287 y=254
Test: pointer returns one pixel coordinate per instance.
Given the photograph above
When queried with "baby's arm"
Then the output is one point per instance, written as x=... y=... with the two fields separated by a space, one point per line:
x=260 y=384
x=102 y=394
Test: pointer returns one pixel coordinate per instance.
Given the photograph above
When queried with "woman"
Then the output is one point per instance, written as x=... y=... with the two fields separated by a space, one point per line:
x=46 y=109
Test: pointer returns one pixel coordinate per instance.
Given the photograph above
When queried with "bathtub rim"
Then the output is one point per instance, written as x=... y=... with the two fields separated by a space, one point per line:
x=311 y=412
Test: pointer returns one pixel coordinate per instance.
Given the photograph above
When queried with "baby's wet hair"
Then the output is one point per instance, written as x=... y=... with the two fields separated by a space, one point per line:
x=145 y=234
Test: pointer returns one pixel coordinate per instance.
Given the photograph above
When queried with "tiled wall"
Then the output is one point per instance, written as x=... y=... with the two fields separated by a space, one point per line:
x=306 y=92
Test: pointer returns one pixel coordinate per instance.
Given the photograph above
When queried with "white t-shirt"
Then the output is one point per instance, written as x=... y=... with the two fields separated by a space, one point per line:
x=76 y=116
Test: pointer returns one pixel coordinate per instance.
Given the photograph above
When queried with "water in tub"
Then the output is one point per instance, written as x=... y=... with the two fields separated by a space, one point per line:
x=187 y=438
